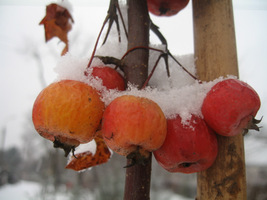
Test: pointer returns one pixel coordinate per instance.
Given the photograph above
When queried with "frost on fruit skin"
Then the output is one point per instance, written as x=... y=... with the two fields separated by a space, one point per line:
x=132 y=124
x=230 y=107
x=68 y=113
x=187 y=148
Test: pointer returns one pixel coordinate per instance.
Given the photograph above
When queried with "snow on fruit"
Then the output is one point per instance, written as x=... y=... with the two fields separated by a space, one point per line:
x=187 y=148
x=133 y=125
x=166 y=7
x=68 y=113
x=110 y=77
x=230 y=107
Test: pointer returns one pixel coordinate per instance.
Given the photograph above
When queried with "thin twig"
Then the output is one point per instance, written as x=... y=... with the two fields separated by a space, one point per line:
x=163 y=55
x=97 y=40
x=152 y=71
x=122 y=20
x=183 y=67
x=112 y=16
x=155 y=29
x=140 y=47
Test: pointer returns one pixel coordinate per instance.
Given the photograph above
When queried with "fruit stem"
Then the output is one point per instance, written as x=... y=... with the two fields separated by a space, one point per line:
x=183 y=67
x=111 y=60
x=112 y=16
x=97 y=40
x=155 y=29
x=122 y=20
x=152 y=71
x=163 y=53
x=140 y=47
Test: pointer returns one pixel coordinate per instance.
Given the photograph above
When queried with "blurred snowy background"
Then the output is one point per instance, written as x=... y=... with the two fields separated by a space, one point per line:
x=31 y=169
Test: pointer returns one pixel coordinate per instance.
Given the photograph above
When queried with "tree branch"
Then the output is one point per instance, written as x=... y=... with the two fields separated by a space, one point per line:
x=137 y=182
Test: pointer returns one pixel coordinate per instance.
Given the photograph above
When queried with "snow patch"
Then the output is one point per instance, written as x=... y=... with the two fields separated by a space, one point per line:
x=183 y=101
x=22 y=190
x=88 y=147
x=70 y=67
x=178 y=94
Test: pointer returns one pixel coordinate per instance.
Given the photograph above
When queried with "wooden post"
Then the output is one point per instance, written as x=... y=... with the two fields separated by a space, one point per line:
x=215 y=52
x=137 y=182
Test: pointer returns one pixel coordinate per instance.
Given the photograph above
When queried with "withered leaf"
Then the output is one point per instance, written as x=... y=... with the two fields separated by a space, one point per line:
x=86 y=159
x=57 y=23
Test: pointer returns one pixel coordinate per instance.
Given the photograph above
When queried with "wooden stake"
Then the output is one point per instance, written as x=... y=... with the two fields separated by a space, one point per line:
x=215 y=52
x=137 y=182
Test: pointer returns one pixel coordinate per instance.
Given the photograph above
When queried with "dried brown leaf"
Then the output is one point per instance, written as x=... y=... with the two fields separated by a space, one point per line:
x=57 y=23
x=86 y=159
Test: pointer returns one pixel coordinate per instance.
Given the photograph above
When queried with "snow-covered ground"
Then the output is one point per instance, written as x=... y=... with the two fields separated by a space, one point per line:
x=26 y=190
x=22 y=190
x=168 y=195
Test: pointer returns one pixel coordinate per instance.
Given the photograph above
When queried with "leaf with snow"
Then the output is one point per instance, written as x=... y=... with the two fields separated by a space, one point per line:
x=57 y=23
x=86 y=158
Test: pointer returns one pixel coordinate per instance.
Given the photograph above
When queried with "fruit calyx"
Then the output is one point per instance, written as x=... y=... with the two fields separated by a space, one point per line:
x=253 y=125
x=186 y=164
x=66 y=147
x=163 y=9
x=137 y=157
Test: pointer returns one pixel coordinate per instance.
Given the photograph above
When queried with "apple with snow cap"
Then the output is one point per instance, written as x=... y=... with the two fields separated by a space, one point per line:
x=111 y=79
x=188 y=148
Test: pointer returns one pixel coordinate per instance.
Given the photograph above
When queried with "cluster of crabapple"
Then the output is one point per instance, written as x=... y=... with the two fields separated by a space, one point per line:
x=228 y=109
x=70 y=112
